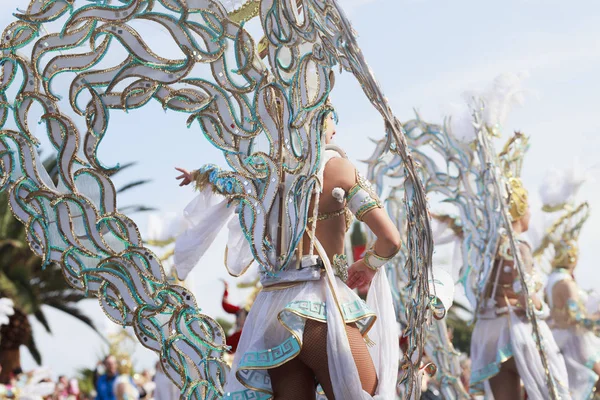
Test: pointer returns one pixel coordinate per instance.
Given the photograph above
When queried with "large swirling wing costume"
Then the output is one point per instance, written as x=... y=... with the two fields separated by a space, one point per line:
x=481 y=199
x=385 y=171
x=218 y=80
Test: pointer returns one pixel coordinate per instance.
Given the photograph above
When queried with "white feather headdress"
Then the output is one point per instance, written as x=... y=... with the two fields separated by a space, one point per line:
x=498 y=99
x=560 y=187
x=506 y=92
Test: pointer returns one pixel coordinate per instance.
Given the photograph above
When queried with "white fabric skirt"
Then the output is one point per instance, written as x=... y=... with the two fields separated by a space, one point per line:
x=581 y=350
x=490 y=347
x=496 y=340
x=273 y=334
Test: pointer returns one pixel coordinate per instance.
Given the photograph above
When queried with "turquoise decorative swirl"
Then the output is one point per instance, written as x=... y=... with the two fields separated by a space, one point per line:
x=234 y=100
x=443 y=162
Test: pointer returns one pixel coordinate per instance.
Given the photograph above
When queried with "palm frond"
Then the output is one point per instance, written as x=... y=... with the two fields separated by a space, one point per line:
x=41 y=317
x=73 y=311
x=11 y=243
x=85 y=376
x=133 y=184
x=135 y=209
x=51 y=166
x=34 y=351
x=76 y=313
x=462 y=307
x=125 y=166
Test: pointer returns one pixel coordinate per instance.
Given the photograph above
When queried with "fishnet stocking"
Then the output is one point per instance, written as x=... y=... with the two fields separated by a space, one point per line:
x=295 y=380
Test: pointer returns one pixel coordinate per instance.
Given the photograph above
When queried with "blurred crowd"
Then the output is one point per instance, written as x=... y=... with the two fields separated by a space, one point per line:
x=112 y=379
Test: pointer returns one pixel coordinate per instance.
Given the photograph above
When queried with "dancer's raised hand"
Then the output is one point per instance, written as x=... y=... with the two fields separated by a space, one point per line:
x=186 y=177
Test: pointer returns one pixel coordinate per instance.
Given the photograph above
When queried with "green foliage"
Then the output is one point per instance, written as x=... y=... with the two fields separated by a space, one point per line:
x=225 y=324
x=462 y=335
x=462 y=331
x=85 y=376
x=358 y=237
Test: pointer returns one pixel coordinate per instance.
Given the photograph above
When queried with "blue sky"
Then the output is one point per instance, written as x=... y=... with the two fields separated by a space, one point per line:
x=425 y=53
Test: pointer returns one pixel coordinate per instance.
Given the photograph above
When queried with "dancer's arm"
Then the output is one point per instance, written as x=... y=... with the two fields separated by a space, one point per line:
x=342 y=173
x=568 y=292
x=530 y=276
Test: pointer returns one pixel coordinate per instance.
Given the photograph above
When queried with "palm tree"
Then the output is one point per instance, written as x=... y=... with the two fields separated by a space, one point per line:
x=30 y=286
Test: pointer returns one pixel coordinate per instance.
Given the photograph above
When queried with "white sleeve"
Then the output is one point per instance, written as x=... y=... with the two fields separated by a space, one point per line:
x=206 y=216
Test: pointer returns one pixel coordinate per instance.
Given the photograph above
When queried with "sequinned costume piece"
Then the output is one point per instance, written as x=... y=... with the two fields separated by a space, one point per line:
x=438 y=356
x=275 y=329
x=490 y=199
x=216 y=77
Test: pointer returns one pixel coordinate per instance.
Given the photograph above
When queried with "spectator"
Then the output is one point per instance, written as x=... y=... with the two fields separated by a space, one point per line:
x=105 y=383
x=61 y=387
x=146 y=384
x=73 y=392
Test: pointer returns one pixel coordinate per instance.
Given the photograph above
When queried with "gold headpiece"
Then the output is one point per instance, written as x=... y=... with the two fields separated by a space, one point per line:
x=563 y=236
x=246 y=12
x=518 y=199
x=125 y=366
x=566 y=253
x=511 y=159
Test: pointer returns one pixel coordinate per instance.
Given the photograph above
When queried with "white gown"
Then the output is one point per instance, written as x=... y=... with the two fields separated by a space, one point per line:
x=500 y=334
x=580 y=348
x=274 y=327
x=496 y=340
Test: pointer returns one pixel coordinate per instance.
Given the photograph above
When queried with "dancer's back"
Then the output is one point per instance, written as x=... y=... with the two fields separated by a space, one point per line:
x=334 y=218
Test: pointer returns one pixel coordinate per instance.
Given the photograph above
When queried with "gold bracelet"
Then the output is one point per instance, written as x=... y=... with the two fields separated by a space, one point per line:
x=375 y=261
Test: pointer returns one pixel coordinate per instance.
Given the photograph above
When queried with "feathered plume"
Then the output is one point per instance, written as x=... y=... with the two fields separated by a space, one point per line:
x=506 y=91
x=560 y=187
x=461 y=123
x=498 y=99
x=6 y=310
x=38 y=386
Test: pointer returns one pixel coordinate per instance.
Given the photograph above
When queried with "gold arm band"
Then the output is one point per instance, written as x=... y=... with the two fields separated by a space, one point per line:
x=375 y=261
x=362 y=198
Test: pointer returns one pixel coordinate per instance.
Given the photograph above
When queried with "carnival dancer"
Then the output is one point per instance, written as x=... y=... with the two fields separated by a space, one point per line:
x=504 y=351
x=574 y=329
x=124 y=387
x=267 y=123
x=290 y=338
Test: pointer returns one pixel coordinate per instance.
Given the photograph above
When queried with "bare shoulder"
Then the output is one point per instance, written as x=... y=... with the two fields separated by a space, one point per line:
x=340 y=172
x=565 y=288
